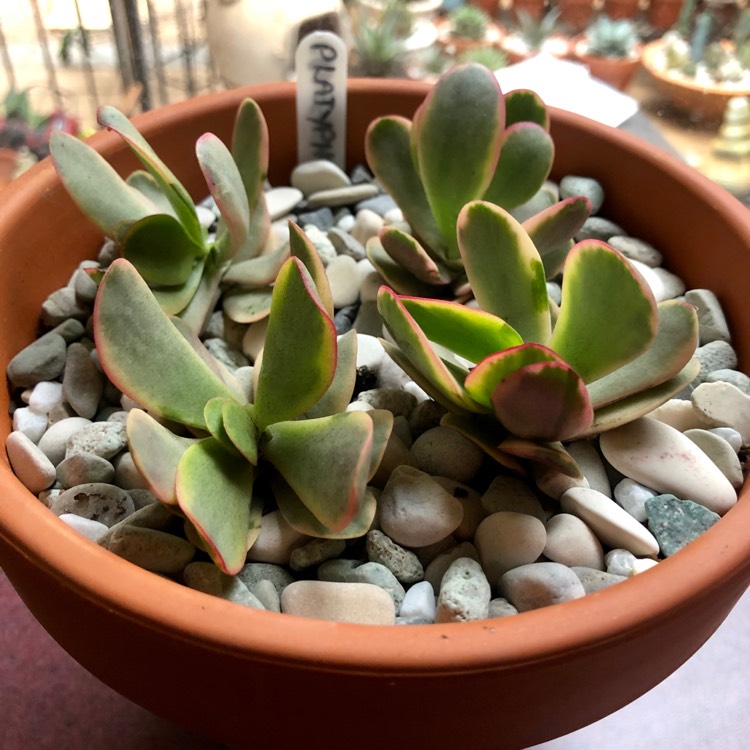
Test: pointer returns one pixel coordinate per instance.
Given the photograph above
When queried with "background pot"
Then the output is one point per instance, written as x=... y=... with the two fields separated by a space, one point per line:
x=575 y=15
x=259 y=679
x=616 y=71
x=662 y=15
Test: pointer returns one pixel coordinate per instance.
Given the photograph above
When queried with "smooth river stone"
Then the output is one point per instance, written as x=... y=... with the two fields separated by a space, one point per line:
x=506 y=540
x=612 y=525
x=723 y=405
x=662 y=458
x=721 y=453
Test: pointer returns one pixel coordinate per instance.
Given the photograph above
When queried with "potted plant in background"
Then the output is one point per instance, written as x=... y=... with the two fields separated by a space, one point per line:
x=532 y=36
x=575 y=15
x=696 y=69
x=663 y=14
x=610 y=49
x=283 y=661
x=467 y=27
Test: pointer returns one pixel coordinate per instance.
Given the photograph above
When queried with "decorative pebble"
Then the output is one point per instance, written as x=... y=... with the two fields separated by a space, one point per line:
x=82 y=382
x=721 y=453
x=419 y=602
x=342 y=277
x=315 y=552
x=415 y=510
x=393 y=399
x=31 y=422
x=506 y=540
x=620 y=562
x=726 y=375
x=464 y=593
x=320 y=174
x=723 y=405
x=590 y=463
x=596 y=580
x=636 y=249
x=632 y=496
x=378 y=575
x=443 y=559
x=380 y=204
x=597 y=228
x=676 y=522
x=574 y=185
x=554 y=292
x=62 y=305
x=501 y=607
x=45 y=396
x=712 y=325
x=642 y=564
x=471 y=502
x=265 y=592
x=337 y=570
x=508 y=493
x=555 y=484
x=29 y=463
x=367 y=224
x=153 y=550
x=281 y=200
x=253 y=572
x=341 y=602
x=207 y=578
x=323 y=246
x=403 y=563
x=571 y=542
x=276 y=540
x=715 y=355
x=660 y=457
x=611 y=524
x=97 y=500
x=444 y=451
x=539 y=585
x=344 y=196
x=83 y=468
x=105 y=439
x=345 y=244
x=321 y=218
x=94 y=530
x=43 y=359
x=678 y=413
x=730 y=435
x=127 y=475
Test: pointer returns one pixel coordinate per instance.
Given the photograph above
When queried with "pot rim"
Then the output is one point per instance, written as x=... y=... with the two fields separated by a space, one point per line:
x=549 y=634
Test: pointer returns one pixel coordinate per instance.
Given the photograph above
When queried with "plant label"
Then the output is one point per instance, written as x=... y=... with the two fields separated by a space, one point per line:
x=321 y=64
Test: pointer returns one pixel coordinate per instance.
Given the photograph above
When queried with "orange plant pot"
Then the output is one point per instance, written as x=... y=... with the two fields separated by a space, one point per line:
x=616 y=71
x=257 y=679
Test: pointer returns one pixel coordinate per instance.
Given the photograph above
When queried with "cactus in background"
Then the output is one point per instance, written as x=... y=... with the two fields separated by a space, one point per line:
x=606 y=37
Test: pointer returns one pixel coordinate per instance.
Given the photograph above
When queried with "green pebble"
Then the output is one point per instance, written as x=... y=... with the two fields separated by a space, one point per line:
x=675 y=522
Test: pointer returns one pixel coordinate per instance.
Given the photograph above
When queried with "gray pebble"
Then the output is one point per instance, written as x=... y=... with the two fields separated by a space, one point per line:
x=597 y=228
x=344 y=318
x=716 y=355
x=150 y=516
x=574 y=185
x=636 y=249
x=323 y=246
x=402 y=563
x=360 y=174
x=444 y=452
x=734 y=377
x=380 y=204
x=97 y=500
x=127 y=475
x=227 y=355
x=258 y=571
x=44 y=359
x=368 y=320
x=596 y=580
x=82 y=382
x=540 y=585
x=345 y=244
x=344 y=196
x=320 y=174
x=712 y=325
x=501 y=607
x=84 y=468
x=337 y=570
x=424 y=416
x=142 y=498
x=321 y=218
x=544 y=198
x=84 y=286
x=396 y=401
x=554 y=292
x=70 y=329
x=464 y=593
x=153 y=550
x=720 y=452
x=63 y=304
x=676 y=522
x=436 y=568
x=206 y=577
x=105 y=439
x=267 y=595
x=315 y=552
x=620 y=562
x=379 y=575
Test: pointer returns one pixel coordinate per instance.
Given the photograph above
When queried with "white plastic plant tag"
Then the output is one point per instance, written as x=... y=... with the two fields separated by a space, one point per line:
x=321 y=65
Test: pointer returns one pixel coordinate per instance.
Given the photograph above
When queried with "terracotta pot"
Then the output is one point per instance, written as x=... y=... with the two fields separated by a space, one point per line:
x=575 y=15
x=8 y=165
x=259 y=679
x=663 y=14
x=705 y=102
x=616 y=71
x=535 y=8
x=617 y=9
x=457 y=45
x=488 y=6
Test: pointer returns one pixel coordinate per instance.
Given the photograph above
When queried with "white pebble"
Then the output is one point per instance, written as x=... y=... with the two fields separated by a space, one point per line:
x=730 y=435
x=366 y=225
x=276 y=540
x=419 y=602
x=282 y=200
x=94 y=530
x=591 y=465
x=620 y=562
x=632 y=496
x=362 y=603
x=678 y=413
x=45 y=396
x=319 y=174
x=642 y=564
x=31 y=422
x=723 y=405
x=342 y=277
x=464 y=593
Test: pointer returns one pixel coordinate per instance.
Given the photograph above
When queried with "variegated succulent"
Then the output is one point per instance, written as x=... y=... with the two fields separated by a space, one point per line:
x=154 y=221
x=294 y=440
x=520 y=376
x=467 y=141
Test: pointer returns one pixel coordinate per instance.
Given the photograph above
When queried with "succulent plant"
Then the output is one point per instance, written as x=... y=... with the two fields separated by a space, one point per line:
x=154 y=221
x=607 y=37
x=466 y=142
x=219 y=447
x=468 y=22
x=535 y=31
x=519 y=376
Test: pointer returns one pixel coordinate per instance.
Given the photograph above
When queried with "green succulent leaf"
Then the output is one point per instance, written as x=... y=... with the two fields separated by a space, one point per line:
x=225 y=185
x=111 y=118
x=389 y=154
x=299 y=357
x=300 y=518
x=257 y=272
x=214 y=489
x=674 y=345
x=552 y=231
x=147 y=186
x=394 y=274
x=247 y=305
x=551 y=455
x=97 y=189
x=441 y=127
x=382 y=424
x=483 y=379
x=545 y=401
x=250 y=149
x=504 y=269
x=408 y=253
x=161 y=250
x=484 y=433
x=607 y=315
x=240 y=428
x=213 y=414
x=326 y=461
x=469 y=333
x=135 y=338
x=156 y=452
x=639 y=404
x=414 y=348
x=173 y=300
x=523 y=105
x=339 y=393
x=525 y=162
x=301 y=247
